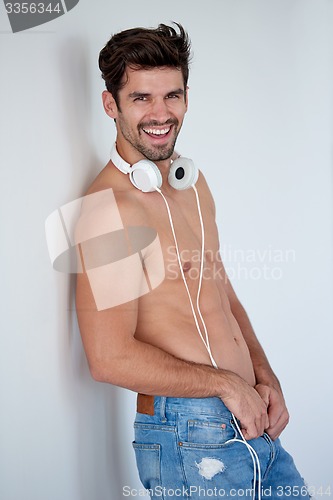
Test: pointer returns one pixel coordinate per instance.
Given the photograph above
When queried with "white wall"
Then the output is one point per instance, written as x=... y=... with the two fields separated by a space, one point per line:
x=259 y=126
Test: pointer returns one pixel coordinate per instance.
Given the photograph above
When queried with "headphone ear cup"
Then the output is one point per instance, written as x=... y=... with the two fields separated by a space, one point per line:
x=145 y=175
x=183 y=173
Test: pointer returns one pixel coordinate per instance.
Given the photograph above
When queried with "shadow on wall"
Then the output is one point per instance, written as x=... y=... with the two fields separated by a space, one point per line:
x=94 y=406
x=76 y=90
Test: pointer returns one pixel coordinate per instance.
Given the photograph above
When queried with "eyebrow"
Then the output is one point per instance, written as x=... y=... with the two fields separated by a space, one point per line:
x=139 y=94
x=144 y=94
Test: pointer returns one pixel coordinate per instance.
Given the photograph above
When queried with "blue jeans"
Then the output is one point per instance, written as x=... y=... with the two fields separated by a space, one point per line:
x=187 y=449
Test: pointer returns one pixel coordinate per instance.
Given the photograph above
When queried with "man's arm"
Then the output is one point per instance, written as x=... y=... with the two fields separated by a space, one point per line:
x=116 y=357
x=268 y=385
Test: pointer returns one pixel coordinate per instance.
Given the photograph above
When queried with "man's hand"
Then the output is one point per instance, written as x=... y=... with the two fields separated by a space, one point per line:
x=247 y=405
x=276 y=408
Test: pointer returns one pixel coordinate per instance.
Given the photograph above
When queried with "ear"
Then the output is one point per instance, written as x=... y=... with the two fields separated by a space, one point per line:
x=109 y=104
x=186 y=97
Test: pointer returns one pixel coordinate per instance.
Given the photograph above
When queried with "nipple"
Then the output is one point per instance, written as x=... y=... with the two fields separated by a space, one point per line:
x=187 y=266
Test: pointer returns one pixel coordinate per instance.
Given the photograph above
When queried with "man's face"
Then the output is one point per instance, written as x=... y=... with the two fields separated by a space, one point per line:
x=151 y=110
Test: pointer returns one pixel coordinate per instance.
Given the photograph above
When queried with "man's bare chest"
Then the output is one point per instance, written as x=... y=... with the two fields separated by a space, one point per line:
x=185 y=240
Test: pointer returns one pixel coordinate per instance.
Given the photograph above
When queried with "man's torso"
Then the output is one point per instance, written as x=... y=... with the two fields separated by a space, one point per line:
x=165 y=318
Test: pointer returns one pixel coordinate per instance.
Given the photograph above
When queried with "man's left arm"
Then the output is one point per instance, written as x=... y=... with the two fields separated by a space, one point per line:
x=268 y=385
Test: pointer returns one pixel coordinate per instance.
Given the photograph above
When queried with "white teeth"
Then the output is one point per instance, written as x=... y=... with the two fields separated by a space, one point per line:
x=156 y=131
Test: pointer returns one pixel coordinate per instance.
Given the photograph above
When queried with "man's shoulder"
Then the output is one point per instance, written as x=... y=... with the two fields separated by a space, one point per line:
x=204 y=191
x=112 y=193
x=106 y=179
x=108 y=206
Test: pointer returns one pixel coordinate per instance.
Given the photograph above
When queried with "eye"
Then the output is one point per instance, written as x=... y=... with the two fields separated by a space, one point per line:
x=173 y=96
x=141 y=98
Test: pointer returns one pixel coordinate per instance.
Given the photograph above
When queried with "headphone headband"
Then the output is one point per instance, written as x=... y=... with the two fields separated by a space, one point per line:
x=146 y=177
x=118 y=161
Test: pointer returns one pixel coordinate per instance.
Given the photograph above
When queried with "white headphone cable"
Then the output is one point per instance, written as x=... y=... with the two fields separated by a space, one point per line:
x=184 y=279
x=201 y=268
x=253 y=453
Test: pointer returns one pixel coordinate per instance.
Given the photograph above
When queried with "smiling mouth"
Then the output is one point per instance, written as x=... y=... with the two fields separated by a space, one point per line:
x=156 y=132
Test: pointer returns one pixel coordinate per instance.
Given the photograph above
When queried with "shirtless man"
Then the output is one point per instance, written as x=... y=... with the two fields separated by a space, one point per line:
x=195 y=422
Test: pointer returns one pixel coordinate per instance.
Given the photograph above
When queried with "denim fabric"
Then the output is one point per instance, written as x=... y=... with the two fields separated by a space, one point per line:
x=183 y=452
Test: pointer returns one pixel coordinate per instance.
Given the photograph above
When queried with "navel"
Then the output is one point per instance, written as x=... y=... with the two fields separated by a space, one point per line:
x=186 y=266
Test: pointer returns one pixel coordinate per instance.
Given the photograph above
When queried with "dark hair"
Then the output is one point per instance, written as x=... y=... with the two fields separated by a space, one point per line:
x=143 y=48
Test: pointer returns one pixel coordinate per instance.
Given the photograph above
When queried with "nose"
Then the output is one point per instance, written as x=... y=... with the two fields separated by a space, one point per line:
x=159 y=110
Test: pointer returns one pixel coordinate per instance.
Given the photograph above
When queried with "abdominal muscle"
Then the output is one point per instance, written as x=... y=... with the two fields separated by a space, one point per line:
x=166 y=321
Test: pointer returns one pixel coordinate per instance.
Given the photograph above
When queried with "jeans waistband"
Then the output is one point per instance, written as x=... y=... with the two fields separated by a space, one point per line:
x=209 y=406
x=151 y=405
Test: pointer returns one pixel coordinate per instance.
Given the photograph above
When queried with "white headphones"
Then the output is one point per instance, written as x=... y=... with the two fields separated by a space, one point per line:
x=146 y=177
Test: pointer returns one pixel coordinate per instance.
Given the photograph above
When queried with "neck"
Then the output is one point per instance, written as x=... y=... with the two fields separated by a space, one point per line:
x=164 y=167
x=131 y=155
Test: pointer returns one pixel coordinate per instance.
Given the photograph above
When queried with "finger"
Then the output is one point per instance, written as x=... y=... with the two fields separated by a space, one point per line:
x=250 y=435
x=263 y=393
x=261 y=422
x=250 y=432
x=275 y=413
x=264 y=421
x=264 y=425
x=260 y=425
x=274 y=431
x=272 y=435
x=278 y=418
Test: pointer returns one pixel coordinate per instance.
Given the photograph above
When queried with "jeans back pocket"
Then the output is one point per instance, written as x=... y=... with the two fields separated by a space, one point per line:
x=148 y=462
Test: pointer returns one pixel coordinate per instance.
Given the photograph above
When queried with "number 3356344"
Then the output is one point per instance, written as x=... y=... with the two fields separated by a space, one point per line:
x=32 y=8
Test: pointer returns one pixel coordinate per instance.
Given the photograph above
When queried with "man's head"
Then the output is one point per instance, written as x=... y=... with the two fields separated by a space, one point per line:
x=143 y=48
x=146 y=73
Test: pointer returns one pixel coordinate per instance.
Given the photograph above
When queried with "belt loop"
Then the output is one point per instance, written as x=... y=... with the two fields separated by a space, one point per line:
x=162 y=408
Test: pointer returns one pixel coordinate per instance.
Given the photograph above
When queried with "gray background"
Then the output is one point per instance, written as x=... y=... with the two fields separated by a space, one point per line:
x=259 y=126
